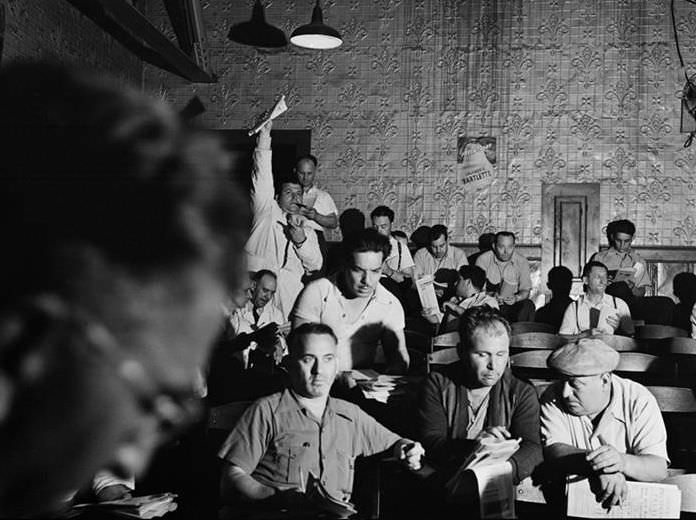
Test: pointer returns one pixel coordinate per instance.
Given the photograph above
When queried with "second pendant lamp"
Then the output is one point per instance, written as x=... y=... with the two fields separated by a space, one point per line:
x=316 y=35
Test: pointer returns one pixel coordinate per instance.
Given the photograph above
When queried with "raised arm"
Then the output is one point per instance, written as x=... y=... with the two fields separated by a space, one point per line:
x=262 y=191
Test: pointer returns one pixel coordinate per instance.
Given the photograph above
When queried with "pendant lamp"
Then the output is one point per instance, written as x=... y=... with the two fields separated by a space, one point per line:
x=257 y=32
x=316 y=35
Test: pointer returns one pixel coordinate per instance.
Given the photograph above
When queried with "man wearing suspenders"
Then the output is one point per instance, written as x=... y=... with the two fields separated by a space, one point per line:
x=596 y=312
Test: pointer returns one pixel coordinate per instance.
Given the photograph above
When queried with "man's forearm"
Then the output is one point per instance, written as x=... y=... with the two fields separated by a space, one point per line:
x=327 y=221
x=646 y=468
x=236 y=483
x=522 y=295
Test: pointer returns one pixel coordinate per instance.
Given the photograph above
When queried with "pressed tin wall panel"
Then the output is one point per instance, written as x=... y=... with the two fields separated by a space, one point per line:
x=55 y=30
x=573 y=91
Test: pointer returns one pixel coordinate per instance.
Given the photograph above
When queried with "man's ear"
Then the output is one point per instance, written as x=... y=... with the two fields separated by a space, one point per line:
x=606 y=378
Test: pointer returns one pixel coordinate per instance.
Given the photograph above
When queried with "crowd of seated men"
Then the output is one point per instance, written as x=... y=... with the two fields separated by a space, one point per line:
x=348 y=308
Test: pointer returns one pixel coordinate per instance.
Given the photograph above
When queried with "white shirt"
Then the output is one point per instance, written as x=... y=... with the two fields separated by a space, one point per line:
x=322 y=202
x=399 y=257
x=358 y=343
x=693 y=321
x=632 y=421
x=426 y=263
x=576 y=318
x=242 y=320
x=268 y=247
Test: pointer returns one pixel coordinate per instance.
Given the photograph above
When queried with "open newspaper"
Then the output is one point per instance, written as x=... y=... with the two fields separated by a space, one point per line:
x=489 y=463
x=426 y=292
x=379 y=387
x=645 y=500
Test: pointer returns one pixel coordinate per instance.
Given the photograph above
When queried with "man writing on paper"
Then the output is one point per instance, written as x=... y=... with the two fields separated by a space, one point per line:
x=283 y=438
x=595 y=312
x=598 y=424
x=478 y=398
x=279 y=241
x=508 y=277
x=363 y=314
x=439 y=257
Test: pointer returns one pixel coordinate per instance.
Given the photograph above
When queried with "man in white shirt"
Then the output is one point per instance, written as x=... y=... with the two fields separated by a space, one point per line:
x=317 y=205
x=280 y=240
x=368 y=320
x=439 y=260
x=597 y=424
x=508 y=277
x=595 y=312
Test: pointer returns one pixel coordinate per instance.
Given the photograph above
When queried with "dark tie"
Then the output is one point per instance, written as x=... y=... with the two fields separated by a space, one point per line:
x=594 y=317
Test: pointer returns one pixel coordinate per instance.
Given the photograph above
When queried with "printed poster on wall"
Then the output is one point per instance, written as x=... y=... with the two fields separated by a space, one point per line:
x=476 y=157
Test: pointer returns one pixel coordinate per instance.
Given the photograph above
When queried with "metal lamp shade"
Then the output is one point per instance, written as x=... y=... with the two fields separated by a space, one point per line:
x=316 y=35
x=257 y=32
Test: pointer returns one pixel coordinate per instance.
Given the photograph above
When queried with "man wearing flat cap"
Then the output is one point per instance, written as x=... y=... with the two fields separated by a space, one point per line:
x=597 y=424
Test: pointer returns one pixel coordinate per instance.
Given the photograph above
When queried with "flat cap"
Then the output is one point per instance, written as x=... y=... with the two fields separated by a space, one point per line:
x=587 y=357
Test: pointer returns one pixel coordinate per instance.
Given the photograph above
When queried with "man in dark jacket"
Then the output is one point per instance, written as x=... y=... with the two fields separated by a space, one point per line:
x=476 y=398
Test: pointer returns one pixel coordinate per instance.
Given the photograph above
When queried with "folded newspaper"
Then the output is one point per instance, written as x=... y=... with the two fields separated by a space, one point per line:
x=320 y=498
x=488 y=451
x=148 y=506
x=277 y=109
x=379 y=387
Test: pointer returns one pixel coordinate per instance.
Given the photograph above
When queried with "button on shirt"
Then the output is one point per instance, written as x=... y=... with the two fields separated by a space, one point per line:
x=515 y=272
x=576 y=318
x=615 y=261
x=268 y=247
x=359 y=343
x=279 y=442
x=632 y=421
x=322 y=202
x=426 y=263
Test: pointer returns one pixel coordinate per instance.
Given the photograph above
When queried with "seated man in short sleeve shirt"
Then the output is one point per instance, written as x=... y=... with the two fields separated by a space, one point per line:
x=598 y=424
x=283 y=438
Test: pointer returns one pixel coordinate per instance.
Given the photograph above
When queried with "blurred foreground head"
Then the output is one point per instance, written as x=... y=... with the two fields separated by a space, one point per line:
x=121 y=234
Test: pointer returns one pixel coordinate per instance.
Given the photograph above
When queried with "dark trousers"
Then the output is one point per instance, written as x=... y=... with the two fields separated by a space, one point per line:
x=522 y=310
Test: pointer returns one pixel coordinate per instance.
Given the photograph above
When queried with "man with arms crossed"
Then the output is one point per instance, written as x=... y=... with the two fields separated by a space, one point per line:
x=598 y=424
x=289 y=435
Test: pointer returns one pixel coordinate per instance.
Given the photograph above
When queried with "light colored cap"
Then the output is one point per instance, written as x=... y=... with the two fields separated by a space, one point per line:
x=587 y=357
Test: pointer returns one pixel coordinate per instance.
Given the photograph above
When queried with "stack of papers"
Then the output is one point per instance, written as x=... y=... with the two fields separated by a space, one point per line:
x=377 y=386
x=149 y=506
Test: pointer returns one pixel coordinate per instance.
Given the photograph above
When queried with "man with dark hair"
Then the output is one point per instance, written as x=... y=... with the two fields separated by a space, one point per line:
x=560 y=282
x=438 y=256
x=398 y=265
x=317 y=205
x=628 y=273
x=284 y=438
x=508 y=277
x=485 y=243
x=595 y=312
x=684 y=288
x=469 y=293
x=367 y=319
x=122 y=233
x=598 y=424
x=478 y=398
x=280 y=240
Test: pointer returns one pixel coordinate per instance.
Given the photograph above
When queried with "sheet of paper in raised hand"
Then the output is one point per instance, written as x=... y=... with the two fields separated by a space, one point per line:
x=645 y=500
x=426 y=292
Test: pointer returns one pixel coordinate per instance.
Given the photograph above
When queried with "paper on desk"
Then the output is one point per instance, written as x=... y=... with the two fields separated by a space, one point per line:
x=496 y=492
x=278 y=109
x=645 y=500
x=426 y=292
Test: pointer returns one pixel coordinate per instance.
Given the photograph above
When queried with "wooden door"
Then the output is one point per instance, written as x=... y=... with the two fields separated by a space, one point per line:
x=570 y=226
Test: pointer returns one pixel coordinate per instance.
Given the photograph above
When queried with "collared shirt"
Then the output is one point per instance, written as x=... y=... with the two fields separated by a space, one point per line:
x=476 y=418
x=322 y=202
x=615 y=260
x=511 y=276
x=426 y=263
x=243 y=320
x=279 y=442
x=632 y=421
x=399 y=257
x=576 y=318
x=268 y=247
x=322 y=301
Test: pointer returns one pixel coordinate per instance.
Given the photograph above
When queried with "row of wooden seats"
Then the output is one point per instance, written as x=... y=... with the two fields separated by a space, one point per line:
x=643 y=331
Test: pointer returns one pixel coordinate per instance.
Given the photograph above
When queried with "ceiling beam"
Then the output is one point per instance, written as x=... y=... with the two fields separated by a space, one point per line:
x=125 y=23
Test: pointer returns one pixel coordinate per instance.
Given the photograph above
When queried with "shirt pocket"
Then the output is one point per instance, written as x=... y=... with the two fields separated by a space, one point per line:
x=291 y=463
x=345 y=471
